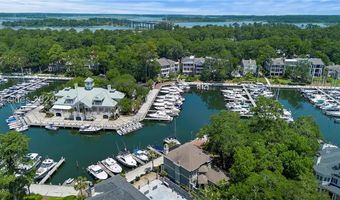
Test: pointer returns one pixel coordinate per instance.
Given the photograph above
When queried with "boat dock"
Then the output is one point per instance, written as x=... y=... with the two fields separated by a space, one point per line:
x=44 y=77
x=249 y=96
x=52 y=171
x=138 y=160
x=154 y=150
x=105 y=169
x=139 y=171
x=329 y=96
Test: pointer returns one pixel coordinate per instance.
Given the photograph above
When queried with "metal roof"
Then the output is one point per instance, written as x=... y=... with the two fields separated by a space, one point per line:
x=328 y=162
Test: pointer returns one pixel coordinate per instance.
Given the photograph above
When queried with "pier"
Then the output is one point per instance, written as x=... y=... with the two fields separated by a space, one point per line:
x=45 y=77
x=52 y=171
x=154 y=150
x=249 y=96
x=138 y=160
x=105 y=169
x=329 y=96
x=53 y=190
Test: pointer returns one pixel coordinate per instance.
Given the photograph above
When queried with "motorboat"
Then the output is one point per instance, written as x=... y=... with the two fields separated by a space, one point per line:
x=171 y=140
x=69 y=181
x=141 y=154
x=89 y=129
x=11 y=119
x=32 y=160
x=51 y=127
x=126 y=159
x=97 y=172
x=160 y=115
x=333 y=113
x=22 y=128
x=112 y=165
x=44 y=168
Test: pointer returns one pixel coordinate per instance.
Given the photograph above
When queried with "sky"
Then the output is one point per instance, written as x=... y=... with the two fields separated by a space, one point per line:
x=196 y=7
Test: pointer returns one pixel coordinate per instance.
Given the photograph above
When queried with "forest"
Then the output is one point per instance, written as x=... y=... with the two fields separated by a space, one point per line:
x=134 y=52
x=265 y=158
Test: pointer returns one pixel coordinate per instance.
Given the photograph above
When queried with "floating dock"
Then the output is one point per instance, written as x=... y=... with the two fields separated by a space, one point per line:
x=52 y=171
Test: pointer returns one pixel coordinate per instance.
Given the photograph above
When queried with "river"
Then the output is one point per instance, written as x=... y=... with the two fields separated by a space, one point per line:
x=81 y=151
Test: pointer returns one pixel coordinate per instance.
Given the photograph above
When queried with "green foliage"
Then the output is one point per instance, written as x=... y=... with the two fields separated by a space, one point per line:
x=266 y=157
x=125 y=105
x=216 y=70
x=80 y=185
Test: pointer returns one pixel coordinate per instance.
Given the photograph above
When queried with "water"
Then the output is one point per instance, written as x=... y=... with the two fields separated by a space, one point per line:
x=81 y=151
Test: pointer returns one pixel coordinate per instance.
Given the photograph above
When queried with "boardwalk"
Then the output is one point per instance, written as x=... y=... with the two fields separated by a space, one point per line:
x=53 y=190
x=249 y=96
x=45 y=77
x=50 y=173
x=139 y=171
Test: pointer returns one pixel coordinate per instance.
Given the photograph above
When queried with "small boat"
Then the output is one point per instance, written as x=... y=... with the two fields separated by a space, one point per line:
x=126 y=159
x=89 y=129
x=22 y=128
x=51 y=126
x=171 y=140
x=97 y=172
x=112 y=165
x=10 y=119
x=69 y=181
x=44 y=168
x=141 y=154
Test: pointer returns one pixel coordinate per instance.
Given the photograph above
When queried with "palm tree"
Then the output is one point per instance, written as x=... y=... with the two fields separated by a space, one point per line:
x=80 y=185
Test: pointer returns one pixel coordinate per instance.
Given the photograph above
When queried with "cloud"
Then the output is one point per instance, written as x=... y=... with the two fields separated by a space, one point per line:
x=198 y=7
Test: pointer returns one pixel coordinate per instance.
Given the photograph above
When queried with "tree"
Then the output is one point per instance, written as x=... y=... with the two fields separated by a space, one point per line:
x=13 y=148
x=126 y=105
x=55 y=53
x=80 y=185
x=244 y=163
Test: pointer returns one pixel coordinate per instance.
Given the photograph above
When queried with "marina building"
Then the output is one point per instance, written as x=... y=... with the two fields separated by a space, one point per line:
x=192 y=65
x=188 y=165
x=115 y=188
x=248 y=66
x=277 y=66
x=87 y=103
x=168 y=66
x=327 y=170
x=333 y=71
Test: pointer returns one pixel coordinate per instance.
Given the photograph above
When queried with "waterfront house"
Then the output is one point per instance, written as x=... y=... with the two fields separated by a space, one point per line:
x=248 y=66
x=86 y=102
x=327 y=169
x=277 y=66
x=333 y=71
x=188 y=165
x=192 y=65
x=115 y=188
x=168 y=66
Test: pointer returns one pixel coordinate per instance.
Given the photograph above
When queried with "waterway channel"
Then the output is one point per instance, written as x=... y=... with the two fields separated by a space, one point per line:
x=81 y=151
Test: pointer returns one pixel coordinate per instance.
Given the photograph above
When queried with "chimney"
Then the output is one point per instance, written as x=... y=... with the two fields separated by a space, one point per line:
x=109 y=87
x=75 y=85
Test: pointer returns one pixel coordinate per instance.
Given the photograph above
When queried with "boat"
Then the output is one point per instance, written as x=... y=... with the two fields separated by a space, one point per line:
x=44 y=168
x=32 y=160
x=51 y=126
x=337 y=120
x=141 y=155
x=160 y=115
x=126 y=159
x=112 y=165
x=22 y=128
x=171 y=140
x=69 y=181
x=89 y=129
x=97 y=172
x=10 y=119
x=333 y=113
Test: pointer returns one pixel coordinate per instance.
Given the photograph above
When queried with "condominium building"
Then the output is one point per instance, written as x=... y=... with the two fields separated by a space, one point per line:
x=192 y=65
x=168 y=66
x=248 y=66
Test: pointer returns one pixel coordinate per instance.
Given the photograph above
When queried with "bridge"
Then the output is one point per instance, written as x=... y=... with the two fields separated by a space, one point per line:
x=46 y=77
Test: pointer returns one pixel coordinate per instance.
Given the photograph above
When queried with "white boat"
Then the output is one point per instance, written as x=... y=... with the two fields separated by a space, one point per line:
x=170 y=140
x=333 y=113
x=44 y=168
x=112 y=165
x=126 y=159
x=32 y=161
x=142 y=155
x=97 y=172
x=51 y=126
x=89 y=129
x=69 y=181
x=22 y=128
x=160 y=115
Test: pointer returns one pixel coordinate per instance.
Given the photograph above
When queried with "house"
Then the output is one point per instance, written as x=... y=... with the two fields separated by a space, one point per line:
x=277 y=66
x=115 y=188
x=54 y=68
x=327 y=169
x=192 y=65
x=87 y=100
x=168 y=66
x=188 y=165
x=333 y=71
x=248 y=66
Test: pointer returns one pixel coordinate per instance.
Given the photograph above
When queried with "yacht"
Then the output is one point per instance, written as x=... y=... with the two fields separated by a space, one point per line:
x=112 y=165
x=44 y=168
x=51 y=126
x=141 y=154
x=32 y=161
x=97 y=172
x=333 y=113
x=89 y=129
x=160 y=115
x=69 y=181
x=172 y=140
x=22 y=128
x=126 y=159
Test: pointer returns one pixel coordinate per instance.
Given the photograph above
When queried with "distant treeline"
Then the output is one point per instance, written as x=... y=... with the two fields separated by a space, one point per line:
x=270 y=19
x=56 y=22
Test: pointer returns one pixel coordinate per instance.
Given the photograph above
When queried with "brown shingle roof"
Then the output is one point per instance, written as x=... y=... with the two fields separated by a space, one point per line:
x=189 y=156
x=216 y=175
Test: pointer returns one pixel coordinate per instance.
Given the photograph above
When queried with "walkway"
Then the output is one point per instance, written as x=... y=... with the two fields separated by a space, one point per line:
x=53 y=170
x=46 y=77
x=132 y=175
x=249 y=96
x=53 y=190
x=268 y=82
